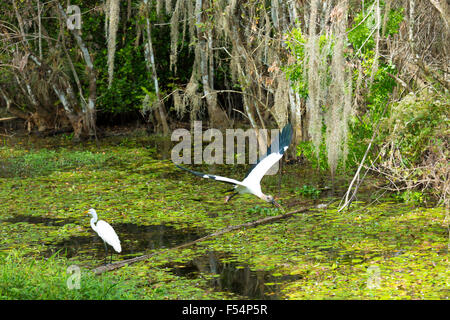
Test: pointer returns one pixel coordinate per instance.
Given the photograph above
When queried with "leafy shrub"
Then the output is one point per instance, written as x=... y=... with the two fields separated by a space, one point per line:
x=417 y=124
x=416 y=149
x=410 y=196
x=378 y=91
x=308 y=191
x=306 y=149
x=374 y=89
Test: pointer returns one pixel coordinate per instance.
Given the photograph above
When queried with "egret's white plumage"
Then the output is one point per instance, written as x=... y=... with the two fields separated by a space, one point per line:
x=252 y=182
x=105 y=231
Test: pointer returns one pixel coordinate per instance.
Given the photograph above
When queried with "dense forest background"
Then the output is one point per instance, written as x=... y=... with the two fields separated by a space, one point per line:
x=364 y=83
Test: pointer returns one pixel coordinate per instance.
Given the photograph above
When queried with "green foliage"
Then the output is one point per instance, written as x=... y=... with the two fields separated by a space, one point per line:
x=308 y=191
x=361 y=34
x=25 y=278
x=415 y=149
x=361 y=38
x=417 y=125
x=296 y=71
x=307 y=150
x=44 y=161
x=68 y=137
x=130 y=75
x=129 y=67
x=376 y=95
x=378 y=91
x=411 y=197
x=394 y=19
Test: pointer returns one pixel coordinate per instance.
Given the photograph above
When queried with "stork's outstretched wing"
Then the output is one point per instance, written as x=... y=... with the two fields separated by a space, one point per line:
x=211 y=176
x=258 y=170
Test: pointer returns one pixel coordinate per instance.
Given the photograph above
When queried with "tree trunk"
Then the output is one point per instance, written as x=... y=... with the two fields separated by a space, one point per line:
x=296 y=117
x=443 y=8
x=160 y=112
x=89 y=113
x=217 y=116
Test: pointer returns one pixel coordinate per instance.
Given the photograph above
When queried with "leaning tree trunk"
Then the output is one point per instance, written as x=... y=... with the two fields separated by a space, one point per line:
x=160 y=113
x=88 y=110
x=64 y=91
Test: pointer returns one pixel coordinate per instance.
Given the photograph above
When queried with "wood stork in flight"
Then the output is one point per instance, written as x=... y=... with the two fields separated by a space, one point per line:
x=251 y=183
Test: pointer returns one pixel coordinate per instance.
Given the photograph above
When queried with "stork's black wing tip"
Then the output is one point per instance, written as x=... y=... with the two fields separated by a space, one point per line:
x=288 y=126
x=285 y=139
x=286 y=136
x=287 y=129
x=182 y=168
x=200 y=174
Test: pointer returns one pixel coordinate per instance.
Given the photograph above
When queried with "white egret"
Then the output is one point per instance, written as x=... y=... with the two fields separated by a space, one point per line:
x=252 y=181
x=106 y=232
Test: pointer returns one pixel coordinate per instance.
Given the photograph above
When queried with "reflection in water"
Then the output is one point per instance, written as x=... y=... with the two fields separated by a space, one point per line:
x=234 y=277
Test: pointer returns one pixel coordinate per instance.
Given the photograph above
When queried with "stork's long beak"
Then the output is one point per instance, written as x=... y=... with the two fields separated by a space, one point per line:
x=276 y=204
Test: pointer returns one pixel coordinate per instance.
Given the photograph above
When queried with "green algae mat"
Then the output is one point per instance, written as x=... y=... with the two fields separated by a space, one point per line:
x=379 y=249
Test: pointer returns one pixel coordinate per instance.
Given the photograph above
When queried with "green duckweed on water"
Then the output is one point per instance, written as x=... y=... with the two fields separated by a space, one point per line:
x=380 y=249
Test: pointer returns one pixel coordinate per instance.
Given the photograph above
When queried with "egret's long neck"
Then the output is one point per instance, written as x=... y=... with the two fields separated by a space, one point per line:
x=93 y=221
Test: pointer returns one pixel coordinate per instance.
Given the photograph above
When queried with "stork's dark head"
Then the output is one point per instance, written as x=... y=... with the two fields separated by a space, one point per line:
x=270 y=199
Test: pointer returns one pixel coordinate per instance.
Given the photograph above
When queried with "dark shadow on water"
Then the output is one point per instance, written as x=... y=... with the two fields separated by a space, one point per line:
x=135 y=240
x=58 y=222
x=234 y=277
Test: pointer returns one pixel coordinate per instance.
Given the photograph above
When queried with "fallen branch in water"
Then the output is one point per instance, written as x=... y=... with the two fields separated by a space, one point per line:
x=120 y=264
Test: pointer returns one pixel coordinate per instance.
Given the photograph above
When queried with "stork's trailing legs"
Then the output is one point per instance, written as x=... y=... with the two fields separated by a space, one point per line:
x=228 y=198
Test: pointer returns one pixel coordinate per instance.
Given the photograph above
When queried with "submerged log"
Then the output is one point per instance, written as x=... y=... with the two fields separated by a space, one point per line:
x=120 y=264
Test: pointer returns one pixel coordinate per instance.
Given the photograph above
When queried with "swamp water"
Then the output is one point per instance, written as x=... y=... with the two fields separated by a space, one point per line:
x=232 y=276
x=154 y=206
x=135 y=241
x=227 y=275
